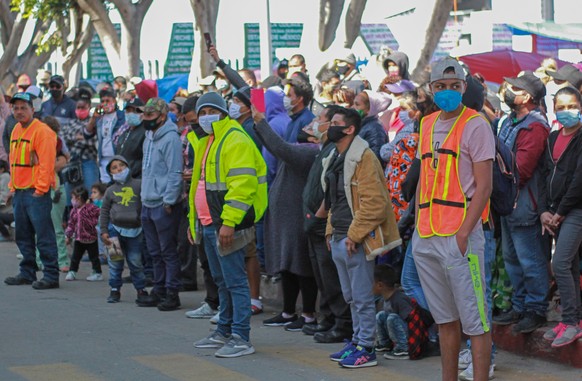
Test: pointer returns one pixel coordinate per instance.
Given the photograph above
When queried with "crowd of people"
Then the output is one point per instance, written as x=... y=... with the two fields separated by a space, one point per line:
x=416 y=212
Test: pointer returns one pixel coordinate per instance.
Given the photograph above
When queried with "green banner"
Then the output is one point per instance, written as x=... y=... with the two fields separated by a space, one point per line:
x=282 y=36
x=179 y=58
x=97 y=63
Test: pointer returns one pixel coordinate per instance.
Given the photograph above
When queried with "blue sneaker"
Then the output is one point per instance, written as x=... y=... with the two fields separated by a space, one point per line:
x=344 y=352
x=360 y=358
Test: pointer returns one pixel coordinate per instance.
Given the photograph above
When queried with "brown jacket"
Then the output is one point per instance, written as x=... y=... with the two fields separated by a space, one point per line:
x=374 y=224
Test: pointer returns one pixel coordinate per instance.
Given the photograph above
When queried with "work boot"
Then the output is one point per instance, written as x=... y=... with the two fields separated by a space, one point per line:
x=151 y=300
x=141 y=296
x=171 y=302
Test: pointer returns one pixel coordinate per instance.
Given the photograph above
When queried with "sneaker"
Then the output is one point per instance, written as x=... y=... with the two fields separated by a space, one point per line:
x=71 y=275
x=360 y=358
x=467 y=374
x=214 y=340
x=202 y=312
x=255 y=310
x=570 y=334
x=507 y=317
x=171 y=302
x=44 y=284
x=235 y=347
x=214 y=319
x=95 y=277
x=17 y=280
x=530 y=322
x=142 y=296
x=19 y=256
x=279 y=320
x=465 y=359
x=114 y=296
x=383 y=347
x=344 y=352
x=551 y=334
x=396 y=355
x=64 y=269
x=296 y=326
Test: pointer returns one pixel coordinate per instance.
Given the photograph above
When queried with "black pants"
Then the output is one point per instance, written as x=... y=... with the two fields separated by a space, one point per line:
x=79 y=249
x=5 y=220
x=292 y=284
x=187 y=254
x=211 y=289
x=332 y=304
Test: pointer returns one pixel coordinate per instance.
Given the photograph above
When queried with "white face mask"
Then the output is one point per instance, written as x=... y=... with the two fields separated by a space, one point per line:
x=288 y=104
x=234 y=111
x=505 y=108
x=206 y=121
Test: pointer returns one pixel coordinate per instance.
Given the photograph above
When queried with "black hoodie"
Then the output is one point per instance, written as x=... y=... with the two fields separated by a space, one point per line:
x=401 y=60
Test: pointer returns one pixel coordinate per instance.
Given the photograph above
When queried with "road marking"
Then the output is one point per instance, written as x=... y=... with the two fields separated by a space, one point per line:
x=54 y=372
x=185 y=367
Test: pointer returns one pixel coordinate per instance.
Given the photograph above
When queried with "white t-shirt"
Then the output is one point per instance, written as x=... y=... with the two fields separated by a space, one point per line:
x=108 y=122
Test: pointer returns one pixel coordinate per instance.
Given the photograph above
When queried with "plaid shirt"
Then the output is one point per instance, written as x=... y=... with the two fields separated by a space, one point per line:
x=84 y=149
x=418 y=322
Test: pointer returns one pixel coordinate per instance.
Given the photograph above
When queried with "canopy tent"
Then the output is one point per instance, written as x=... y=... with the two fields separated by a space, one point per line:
x=503 y=63
x=564 y=32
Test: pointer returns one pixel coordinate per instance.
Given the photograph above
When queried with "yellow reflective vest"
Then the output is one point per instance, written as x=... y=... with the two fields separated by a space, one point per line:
x=236 y=177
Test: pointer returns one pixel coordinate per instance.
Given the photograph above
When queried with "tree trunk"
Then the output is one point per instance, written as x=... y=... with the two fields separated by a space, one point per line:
x=205 y=16
x=354 y=21
x=11 y=49
x=330 y=13
x=434 y=31
x=83 y=37
x=132 y=16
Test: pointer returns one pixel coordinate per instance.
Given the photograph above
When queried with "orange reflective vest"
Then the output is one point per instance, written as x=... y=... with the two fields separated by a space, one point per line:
x=442 y=205
x=32 y=157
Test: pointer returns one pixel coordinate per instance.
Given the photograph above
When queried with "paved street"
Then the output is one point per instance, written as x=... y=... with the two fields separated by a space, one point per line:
x=73 y=334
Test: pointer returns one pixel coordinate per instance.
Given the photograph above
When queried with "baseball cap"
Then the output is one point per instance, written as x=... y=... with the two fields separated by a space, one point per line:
x=57 y=79
x=156 y=105
x=26 y=97
x=530 y=83
x=568 y=73
x=36 y=96
x=400 y=87
x=135 y=103
x=439 y=68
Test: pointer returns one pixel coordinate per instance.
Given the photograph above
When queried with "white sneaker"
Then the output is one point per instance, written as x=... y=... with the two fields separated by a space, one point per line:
x=203 y=312
x=467 y=374
x=465 y=359
x=214 y=319
x=71 y=275
x=19 y=256
x=95 y=277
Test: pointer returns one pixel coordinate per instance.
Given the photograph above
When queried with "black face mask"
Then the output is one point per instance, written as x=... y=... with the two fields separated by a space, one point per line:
x=56 y=94
x=509 y=99
x=200 y=133
x=302 y=137
x=150 y=125
x=335 y=133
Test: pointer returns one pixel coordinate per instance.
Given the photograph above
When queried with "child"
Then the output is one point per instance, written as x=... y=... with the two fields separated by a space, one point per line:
x=402 y=325
x=122 y=208
x=81 y=226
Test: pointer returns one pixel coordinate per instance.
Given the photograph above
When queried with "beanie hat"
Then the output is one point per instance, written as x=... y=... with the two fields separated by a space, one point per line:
x=213 y=100
x=244 y=95
x=190 y=105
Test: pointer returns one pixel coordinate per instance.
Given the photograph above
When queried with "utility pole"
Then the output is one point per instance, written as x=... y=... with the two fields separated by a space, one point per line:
x=266 y=49
x=548 y=10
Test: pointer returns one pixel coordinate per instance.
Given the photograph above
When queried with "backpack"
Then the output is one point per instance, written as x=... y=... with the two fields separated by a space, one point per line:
x=505 y=180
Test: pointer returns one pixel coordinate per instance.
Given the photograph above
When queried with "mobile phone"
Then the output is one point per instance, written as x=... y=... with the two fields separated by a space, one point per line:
x=208 y=41
x=258 y=99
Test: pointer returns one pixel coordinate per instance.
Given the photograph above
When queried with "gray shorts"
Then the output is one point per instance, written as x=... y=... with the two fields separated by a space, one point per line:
x=453 y=283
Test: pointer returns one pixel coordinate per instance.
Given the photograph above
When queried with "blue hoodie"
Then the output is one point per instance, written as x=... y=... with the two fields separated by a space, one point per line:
x=278 y=120
x=162 y=167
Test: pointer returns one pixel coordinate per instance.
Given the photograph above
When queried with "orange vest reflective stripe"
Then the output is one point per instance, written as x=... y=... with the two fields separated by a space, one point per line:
x=443 y=204
x=23 y=159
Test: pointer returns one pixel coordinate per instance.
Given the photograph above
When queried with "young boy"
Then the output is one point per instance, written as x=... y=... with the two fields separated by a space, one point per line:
x=122 y=207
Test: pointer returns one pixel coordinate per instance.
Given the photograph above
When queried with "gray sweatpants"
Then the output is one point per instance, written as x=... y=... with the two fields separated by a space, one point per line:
x=356 y=275
x=566 y=266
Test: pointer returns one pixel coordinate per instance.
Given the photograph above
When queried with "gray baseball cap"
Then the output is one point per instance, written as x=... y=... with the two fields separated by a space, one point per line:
x=439 y=68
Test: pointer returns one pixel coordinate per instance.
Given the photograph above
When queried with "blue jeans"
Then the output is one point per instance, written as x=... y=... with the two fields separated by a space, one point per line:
x=90 y=177
x=233 y=288
x=32 y=216
x=410 y=280
x=391 y=328
x=131 y=248
x=526 y=267
x=161 y=232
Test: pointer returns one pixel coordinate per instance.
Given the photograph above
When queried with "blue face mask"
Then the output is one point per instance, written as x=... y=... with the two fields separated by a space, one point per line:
x=121 y=177
x=448 y=100
x=133 y=119
x=568 y=118
x=173 y=117
x=404 y=117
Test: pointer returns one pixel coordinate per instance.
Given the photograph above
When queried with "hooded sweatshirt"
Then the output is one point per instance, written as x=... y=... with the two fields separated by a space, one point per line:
x=121 y=204
x=372 y=130
x=401 y=60
x=278 y=120
x=162 y=166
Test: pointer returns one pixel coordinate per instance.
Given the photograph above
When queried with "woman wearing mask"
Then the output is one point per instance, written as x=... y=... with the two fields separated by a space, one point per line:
x=369 y=104
x=561 y=211
x=81 y=144
x=129 y=142
x=104 y=123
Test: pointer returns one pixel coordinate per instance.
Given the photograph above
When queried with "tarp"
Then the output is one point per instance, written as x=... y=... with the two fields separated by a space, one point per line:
x=565 y=32
x=503 y=63
x=168 y=86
